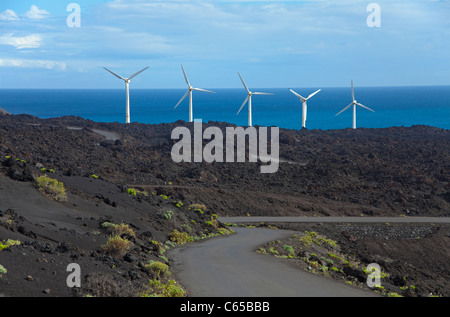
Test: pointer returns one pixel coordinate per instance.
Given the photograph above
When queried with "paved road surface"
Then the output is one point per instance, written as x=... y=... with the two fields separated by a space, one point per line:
x=229 y=267
x=335 y=219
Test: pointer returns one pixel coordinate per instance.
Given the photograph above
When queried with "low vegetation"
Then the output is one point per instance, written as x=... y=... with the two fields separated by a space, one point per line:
x=51 y=188
x=119 y=230
x=180 y=238
x=157 y=288
x=8 y=243
x=3 y=270
x=116 y=245
x=159 y=268
x=198 y=207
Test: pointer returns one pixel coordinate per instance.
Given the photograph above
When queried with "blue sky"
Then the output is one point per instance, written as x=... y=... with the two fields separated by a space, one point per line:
x=273 y=44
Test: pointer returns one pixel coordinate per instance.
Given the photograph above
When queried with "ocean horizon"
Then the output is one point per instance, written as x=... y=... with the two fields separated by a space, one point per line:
x=393 y=106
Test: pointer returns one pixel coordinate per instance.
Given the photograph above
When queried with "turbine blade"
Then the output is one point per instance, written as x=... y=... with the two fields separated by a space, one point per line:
x=245 y=101
x=120 y=77
x=313 y=94
x=135 y=74
x=261 y=93
x=244 y=83
x=182 y=98
x=199 y=89
x=344 y=109
x=298 y=95
x=185 y=77
x=364 y=107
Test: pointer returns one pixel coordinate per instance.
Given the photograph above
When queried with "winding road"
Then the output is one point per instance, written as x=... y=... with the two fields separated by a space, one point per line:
x=229 y=266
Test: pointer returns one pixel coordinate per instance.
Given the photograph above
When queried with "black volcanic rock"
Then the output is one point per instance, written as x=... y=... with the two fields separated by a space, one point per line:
x=337 y=172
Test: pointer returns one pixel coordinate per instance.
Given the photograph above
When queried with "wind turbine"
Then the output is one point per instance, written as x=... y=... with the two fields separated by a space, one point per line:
x=304 y=106
x=354 y=103
x=249 y=99
x=189 y=91
x=127 y=89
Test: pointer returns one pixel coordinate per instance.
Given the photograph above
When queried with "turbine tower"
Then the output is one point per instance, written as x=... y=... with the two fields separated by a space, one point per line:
x=304 y=106
x=127 y=89
x=189 y=91
x=249 y=99
x=354 y=103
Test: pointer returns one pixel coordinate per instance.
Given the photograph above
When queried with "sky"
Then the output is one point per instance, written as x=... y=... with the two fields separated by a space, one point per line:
x=272 y=44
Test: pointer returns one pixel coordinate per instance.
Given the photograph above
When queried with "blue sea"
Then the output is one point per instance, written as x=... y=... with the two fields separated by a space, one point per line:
x=393 y=106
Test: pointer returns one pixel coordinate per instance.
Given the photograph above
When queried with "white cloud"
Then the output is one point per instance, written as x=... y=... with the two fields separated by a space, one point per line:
x=8 y=15
x=36 y=13
x=29 y=41
x=28 y=63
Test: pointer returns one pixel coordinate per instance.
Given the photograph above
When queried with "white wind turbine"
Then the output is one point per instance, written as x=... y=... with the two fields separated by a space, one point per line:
x=354 y=103
x=127 y=89
x=249 y=99
x=189 y=91
x=304 y=106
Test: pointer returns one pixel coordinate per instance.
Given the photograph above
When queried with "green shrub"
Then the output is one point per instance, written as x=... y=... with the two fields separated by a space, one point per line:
x=8 y=243
x=120 y=229
x=3 y=270
x=51 y=187
x=328 y=242
x=180 y=237
x=200 y=207
x=272 y=250
x=306 y=240
x=168 y=214
x=213 y=223
x=116 y=245
x=158 y=268
x=156 y=288
x=131 y=191
x=289 y=249
x=159 y=246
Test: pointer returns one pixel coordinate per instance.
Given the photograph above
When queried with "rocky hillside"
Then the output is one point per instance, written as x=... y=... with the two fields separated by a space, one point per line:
x=394 y=171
